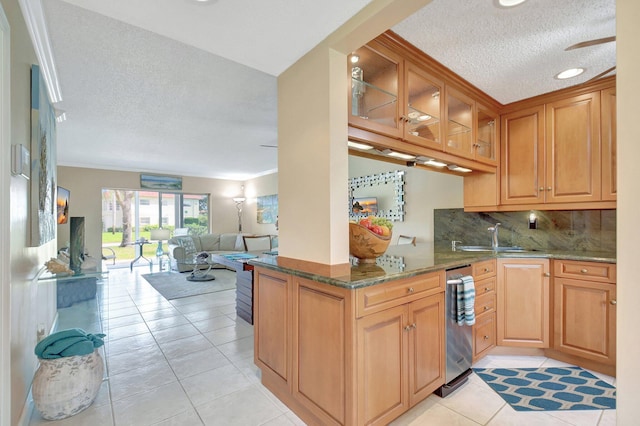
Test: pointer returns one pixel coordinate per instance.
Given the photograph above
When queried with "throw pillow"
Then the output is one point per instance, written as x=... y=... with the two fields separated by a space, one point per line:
x=187 y=244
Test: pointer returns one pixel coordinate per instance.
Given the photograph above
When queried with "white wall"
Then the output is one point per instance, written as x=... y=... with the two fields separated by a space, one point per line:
x=86 y=187
x=424 y=192
x=32 y=303
x=628 y=290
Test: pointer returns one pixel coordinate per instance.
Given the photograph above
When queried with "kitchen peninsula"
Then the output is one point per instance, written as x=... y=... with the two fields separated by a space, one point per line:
x=364 y=348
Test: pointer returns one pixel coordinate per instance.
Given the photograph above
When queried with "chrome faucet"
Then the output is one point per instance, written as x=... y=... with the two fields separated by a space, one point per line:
x=494 y=235
x=453 y=245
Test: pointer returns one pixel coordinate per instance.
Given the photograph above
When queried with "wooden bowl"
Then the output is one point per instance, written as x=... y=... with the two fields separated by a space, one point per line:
x=365 y=244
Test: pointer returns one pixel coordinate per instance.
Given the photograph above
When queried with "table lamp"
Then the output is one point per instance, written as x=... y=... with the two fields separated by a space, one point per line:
x=160 y=235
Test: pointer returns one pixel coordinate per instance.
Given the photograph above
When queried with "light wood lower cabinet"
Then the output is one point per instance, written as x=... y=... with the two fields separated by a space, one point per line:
x=484 y=330
x=349 y=357
x=273 y=332
x=584 y=310
x=523 y=303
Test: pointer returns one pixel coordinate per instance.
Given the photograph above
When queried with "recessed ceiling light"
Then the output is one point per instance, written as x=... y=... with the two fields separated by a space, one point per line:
x=355 y=58
x=510 y=3
x=570 y=73
x=357 y=145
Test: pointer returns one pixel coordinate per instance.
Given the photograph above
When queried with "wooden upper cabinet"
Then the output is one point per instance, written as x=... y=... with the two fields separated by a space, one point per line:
x=522 y=156
x=460 y=133
x=487 y=133
x=609 y=156
x=573 y=149
x=423 y=110
x=375 y=90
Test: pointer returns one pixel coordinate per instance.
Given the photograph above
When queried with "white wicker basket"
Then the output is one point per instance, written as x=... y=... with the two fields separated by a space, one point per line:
x=65 y=386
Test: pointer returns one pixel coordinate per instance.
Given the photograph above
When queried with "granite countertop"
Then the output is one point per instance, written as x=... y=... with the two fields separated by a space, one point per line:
x=403 y=261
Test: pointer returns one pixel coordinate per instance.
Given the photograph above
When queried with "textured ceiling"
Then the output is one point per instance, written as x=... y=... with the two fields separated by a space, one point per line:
x=179 y=87
x=514 y=53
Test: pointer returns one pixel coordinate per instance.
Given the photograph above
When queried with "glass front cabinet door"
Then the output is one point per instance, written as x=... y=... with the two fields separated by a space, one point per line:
x=459 y=136
x=487 y=135
x=423 y=109
x=375 y=89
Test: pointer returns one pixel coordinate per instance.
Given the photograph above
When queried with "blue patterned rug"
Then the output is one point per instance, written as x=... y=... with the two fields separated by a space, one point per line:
x=548 y=389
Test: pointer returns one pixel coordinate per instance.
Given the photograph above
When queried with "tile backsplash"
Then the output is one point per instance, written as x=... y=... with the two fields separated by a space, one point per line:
x=577 y=230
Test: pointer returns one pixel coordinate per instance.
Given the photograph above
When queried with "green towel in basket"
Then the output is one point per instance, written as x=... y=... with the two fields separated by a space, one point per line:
x=71 y=342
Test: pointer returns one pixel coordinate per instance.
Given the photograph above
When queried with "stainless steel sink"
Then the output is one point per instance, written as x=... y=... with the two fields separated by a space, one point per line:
x=512 y=249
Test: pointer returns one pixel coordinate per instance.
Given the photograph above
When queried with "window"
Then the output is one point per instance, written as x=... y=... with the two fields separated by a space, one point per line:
x=150 y=208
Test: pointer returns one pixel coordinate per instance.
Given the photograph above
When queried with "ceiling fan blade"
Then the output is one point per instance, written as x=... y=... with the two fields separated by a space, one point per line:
x=602 y=74
x=591 y=43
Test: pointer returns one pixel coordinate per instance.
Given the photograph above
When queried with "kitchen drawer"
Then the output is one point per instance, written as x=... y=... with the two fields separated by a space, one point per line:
x=590 y=271
x=485 y=303
x=378 y=297
x=484 y=335
x=488 y=285
x=484 y=269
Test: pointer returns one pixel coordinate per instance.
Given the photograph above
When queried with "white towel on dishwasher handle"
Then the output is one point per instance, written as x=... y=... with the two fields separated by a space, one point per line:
x=465 y=301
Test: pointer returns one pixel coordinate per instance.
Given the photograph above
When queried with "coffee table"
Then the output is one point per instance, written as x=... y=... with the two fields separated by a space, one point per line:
x=201 y=268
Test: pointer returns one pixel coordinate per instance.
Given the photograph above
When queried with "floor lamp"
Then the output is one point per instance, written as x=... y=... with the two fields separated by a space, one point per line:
x=239 y=201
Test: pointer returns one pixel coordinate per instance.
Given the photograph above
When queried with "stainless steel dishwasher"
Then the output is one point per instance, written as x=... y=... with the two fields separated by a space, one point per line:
x=459 y=345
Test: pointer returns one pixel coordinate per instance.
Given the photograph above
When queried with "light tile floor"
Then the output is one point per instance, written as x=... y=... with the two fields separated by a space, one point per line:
x=190 y=362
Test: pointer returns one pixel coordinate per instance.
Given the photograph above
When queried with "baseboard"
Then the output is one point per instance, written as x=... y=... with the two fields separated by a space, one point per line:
x=508 y=350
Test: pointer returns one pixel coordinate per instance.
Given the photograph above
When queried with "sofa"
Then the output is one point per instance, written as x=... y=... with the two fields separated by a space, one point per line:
x=183 y=248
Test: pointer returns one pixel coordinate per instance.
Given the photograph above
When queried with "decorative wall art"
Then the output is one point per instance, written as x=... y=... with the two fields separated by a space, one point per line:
x=267 y=208
x=160 y=182
x=62 y=205
x=43 y=162
x=388 y=189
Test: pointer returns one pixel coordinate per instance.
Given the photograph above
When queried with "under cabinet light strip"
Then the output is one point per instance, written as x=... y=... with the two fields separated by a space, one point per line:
x=358 y=145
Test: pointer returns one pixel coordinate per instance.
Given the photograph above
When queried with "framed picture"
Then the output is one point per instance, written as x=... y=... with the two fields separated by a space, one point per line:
x=267 y=208
x=62 y=204
x=365 y=205
x=42 y=163
x=148 y=181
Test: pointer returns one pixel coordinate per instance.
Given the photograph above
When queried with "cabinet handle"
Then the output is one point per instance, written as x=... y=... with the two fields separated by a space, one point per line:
x=486 y=269
x=584 y=271
x=409 y=327
x=613 y=302
x=548 y=188
x=410 y=290
x=547 y=274
x=486 y=337
x=486 y=308
x=541 y=189
x=486 y=289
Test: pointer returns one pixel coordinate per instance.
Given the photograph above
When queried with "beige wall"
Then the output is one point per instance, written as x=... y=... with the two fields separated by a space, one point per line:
x=32 y=303
x=263 y=185
x=86 y=187
x=628 y=290
x=424 y=192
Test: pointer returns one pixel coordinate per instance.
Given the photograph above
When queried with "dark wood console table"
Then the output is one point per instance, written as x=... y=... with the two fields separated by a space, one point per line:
x=244 y=280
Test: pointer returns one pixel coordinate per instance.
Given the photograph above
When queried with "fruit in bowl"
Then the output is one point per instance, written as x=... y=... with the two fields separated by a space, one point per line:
x=369 y=238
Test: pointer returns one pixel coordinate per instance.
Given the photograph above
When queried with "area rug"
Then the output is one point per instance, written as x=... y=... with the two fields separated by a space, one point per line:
x=549 y=389
x=174 y=285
